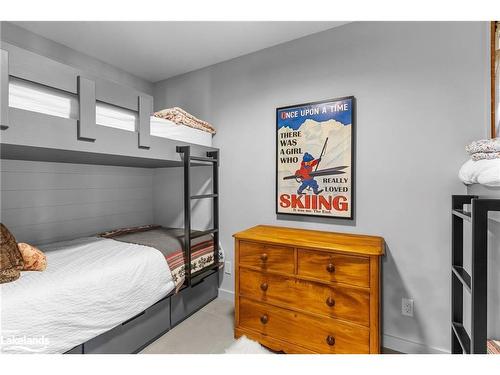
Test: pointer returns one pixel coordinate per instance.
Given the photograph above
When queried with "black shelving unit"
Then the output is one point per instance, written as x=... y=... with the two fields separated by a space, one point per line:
x=477 y=282
x=211 y=160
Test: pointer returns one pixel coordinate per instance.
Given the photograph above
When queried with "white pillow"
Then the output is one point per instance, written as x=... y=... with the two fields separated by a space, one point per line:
x=485 y=172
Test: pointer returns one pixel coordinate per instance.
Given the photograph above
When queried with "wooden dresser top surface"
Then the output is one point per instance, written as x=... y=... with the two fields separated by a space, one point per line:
x=306 y=238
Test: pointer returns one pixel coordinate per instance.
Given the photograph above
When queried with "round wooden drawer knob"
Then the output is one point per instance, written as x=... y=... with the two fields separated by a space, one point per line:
x=264 y=287
x=264 y=319
x=263 y=257
x=330 y=268
x=330 y=340
x=330 y=301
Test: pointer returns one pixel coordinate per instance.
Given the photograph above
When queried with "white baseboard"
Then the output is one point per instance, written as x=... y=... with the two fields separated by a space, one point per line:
x=388 y=341
x=227 y=295
x=409 y=347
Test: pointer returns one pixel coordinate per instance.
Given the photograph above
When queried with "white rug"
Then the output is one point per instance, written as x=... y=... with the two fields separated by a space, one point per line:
x=246 y=346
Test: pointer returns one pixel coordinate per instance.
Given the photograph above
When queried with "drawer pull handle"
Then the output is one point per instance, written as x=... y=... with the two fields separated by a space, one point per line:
x=330 y=340
x=264 y=319
x=263 y=257
x=264 y=287
x=330 y=268
x=330 y=301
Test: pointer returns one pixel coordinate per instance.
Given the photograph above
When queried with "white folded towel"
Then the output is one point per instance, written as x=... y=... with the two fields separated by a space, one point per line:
x=485 y=172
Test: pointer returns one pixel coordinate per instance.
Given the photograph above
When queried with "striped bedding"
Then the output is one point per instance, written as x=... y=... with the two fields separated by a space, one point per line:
x=170 y=242
x=202 y=255
x=493 y=347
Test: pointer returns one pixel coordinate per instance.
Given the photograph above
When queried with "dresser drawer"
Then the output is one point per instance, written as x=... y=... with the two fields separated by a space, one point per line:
x=267 y=257
x=322 y=335
x=336 y=302
x=334 y=267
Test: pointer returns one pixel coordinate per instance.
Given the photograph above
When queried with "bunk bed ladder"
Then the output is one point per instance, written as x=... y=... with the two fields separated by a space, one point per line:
x=475 y=283
x=212 y=159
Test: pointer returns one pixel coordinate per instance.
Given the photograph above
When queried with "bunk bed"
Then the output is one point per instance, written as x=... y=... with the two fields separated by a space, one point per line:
x=53 y=112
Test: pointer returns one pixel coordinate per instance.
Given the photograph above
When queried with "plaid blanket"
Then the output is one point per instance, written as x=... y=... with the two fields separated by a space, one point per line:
x=170 y=242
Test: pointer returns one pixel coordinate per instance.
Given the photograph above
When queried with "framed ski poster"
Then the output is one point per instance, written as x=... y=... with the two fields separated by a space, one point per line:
x=315 y=158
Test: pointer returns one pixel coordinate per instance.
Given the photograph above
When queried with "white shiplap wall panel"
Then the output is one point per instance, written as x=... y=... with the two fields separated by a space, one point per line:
x=168 y=194
x=32 y=166
x=45 y=202
x=57 y=181
x=26 y=198
x=51 y=214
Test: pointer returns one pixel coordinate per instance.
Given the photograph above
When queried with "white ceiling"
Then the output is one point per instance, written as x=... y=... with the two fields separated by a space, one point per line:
x=159 y=50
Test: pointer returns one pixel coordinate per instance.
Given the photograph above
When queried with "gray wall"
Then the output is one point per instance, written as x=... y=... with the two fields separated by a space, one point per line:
x=421 y=90
x=23 y=38
x=46 y=202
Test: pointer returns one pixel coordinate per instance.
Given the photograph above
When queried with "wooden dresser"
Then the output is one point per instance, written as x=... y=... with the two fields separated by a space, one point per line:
x=305 y=291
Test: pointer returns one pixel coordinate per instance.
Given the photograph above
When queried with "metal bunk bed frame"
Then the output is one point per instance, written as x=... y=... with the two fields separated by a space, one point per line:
x=212 y=159
x=26 y=135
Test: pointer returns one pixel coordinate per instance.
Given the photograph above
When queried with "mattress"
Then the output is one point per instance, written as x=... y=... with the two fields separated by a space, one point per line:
x=90 y=286
x=33 y=97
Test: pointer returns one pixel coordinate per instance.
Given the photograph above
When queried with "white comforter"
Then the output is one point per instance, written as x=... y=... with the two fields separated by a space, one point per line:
x=90 y=286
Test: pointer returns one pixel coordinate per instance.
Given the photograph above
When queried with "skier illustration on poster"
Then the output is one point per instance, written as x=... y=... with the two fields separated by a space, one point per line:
x=304 y=173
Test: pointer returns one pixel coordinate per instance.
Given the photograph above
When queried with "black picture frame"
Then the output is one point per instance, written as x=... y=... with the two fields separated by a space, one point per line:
x=352 y=169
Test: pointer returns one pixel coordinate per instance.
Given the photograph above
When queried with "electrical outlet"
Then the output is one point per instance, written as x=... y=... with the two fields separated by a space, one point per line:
x=227 y=267
x=407 y=306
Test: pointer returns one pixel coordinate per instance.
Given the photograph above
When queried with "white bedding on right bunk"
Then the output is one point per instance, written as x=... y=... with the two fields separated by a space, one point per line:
x=90 y=286
x=485 y=172
x=42 y=99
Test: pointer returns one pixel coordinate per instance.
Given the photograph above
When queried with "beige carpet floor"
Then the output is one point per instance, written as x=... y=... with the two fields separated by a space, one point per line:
x=208 y=331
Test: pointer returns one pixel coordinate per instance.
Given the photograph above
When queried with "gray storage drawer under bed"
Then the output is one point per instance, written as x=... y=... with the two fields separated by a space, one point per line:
x=189 y=300
x=76 y=350
x=132 y=335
